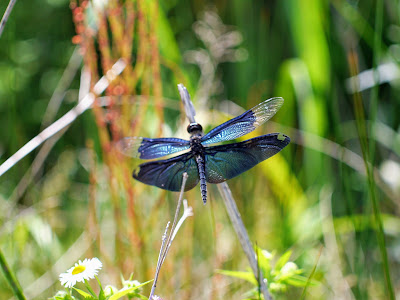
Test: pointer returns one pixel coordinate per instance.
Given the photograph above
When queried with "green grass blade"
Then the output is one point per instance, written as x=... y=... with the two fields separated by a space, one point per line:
x=12 y=281
x=362 y=135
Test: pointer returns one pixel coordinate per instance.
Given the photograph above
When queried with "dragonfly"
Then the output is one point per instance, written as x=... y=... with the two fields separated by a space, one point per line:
x=202 y=160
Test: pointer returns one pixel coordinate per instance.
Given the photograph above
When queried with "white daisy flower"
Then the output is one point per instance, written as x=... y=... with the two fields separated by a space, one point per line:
x=82 y=270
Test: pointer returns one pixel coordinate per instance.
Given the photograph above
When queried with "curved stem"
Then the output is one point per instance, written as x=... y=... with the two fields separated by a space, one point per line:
x=12 y=281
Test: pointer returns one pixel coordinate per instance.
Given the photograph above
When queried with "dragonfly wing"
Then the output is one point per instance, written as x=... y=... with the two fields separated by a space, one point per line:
x=244 y=123
x=146 y=148
x=227 y=161
x=167 y=174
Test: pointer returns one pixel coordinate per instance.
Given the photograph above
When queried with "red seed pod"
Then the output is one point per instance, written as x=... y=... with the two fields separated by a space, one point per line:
x=118 y=90
x=77 y=39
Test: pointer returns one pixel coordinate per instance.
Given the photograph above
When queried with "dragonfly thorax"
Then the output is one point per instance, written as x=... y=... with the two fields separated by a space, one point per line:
x=195 y=145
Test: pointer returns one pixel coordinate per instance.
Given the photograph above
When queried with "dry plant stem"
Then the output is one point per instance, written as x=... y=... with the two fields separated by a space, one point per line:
x=63 y=84
x=178 y=207
x=159 y=261
x=187 y=212
x=231 y=207
x=65 y=120
x=6 y=15
x=166 y=243
x=187 y=103
x=241 y=232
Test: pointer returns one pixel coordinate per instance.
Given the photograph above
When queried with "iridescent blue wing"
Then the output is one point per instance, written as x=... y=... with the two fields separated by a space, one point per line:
x=227 y=161
x=167 y=174
x=145 y=148
x=244 y=123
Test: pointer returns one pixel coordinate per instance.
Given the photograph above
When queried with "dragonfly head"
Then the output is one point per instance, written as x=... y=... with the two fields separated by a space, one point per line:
x=194 y=128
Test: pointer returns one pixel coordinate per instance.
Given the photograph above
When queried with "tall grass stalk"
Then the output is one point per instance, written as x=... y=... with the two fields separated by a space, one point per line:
x=375 y=64
x=366 y=153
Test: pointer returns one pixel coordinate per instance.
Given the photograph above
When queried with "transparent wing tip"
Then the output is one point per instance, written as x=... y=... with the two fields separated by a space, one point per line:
x=129 y=146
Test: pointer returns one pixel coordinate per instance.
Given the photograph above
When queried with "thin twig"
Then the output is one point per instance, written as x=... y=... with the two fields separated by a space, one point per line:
x=187 y=212
x=178 y=207
x=244 y=239
x=65 y=120
x=187 y=103
x=231 y=207
x=6 y=15
x=166 y=243
x=159 y=260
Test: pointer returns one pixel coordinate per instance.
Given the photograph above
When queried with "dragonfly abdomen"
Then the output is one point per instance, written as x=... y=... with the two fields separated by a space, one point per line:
x=202 y=174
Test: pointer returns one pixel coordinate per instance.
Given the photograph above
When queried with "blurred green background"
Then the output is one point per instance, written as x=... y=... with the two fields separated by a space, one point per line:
x=315 y=198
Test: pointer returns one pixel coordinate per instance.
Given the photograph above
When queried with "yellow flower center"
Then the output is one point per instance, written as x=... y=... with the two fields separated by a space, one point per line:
x=78 y=269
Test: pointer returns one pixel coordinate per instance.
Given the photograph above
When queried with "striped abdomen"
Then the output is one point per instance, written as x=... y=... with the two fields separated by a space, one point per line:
x=202 y=174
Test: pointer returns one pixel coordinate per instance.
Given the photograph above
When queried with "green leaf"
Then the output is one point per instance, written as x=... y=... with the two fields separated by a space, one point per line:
x=98 y=281
x=286 y=278
x=264 y=260
x=309 y=278
x=84 y=294
x=90 y=289
x=101 y=293
x=283 y=260
x=127 y=291
x=248 y=276
x=298 y=280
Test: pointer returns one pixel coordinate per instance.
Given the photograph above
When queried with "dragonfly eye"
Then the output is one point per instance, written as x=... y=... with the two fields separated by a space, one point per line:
x=193 y=127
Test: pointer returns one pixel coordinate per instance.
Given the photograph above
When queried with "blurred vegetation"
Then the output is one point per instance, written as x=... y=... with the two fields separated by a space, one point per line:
x=75 y=198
